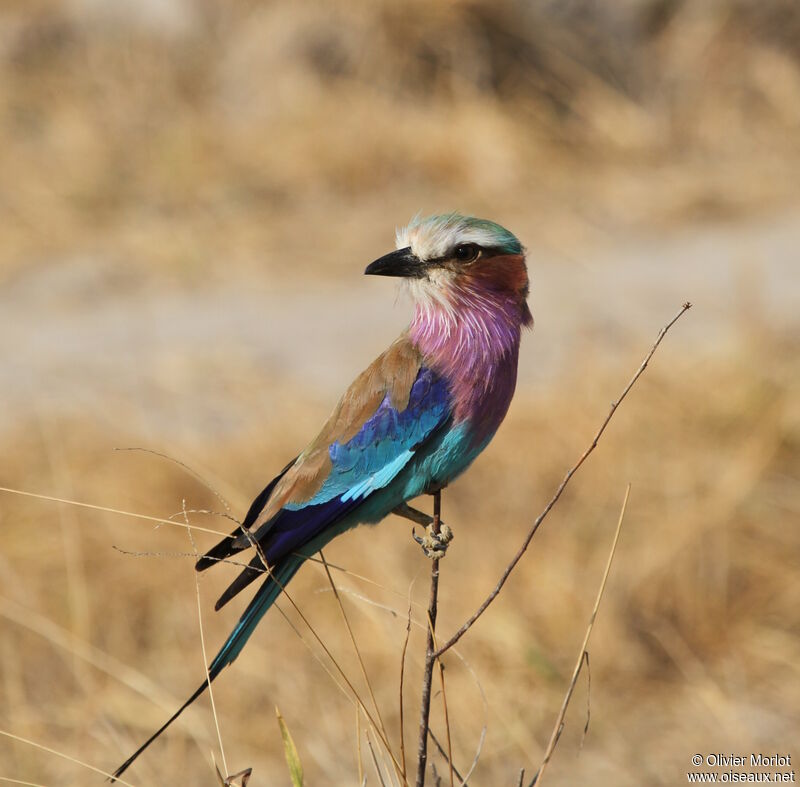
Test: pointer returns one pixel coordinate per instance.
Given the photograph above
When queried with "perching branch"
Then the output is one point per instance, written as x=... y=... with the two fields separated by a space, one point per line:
x=430 y=651
x=583 y=654
x=510 y=567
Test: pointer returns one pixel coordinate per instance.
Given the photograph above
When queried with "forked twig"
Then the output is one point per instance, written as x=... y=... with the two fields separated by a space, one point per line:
x=582 y=655
x=554 y=499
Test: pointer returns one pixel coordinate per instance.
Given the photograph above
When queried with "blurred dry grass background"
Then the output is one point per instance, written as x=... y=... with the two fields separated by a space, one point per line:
x=189 y=193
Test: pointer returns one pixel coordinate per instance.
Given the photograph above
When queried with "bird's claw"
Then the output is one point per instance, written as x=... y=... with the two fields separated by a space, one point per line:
x=434 y=545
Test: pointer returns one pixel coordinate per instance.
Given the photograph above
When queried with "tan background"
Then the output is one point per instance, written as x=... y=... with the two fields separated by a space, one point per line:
x=189 y=192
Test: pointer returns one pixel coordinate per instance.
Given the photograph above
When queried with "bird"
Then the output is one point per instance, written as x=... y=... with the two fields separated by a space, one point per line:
x=408 y=425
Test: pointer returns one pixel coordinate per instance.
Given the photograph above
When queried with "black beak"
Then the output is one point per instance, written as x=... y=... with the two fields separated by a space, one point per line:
x=397 y=263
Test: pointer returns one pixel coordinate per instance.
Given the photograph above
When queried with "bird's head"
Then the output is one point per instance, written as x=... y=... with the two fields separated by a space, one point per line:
x=449 y=257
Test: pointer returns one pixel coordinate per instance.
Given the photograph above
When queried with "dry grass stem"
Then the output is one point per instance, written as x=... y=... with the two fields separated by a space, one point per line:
x=588 y=697
x=355 y=647
x=446 y=721
x=582 y=655
x=342 y=673
x=359 y=758
x=190 y=470
x=518 y=556
x=158 y=520
x=63 y=756
x=99 y=659
x=203 y=648
x=322 y=644
x=375 y=761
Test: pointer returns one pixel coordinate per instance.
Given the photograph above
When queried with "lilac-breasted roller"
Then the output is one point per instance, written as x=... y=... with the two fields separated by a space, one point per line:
x=408 y=425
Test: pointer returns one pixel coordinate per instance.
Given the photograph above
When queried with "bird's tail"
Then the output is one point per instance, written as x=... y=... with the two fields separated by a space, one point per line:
x=278 y=578
x=261 y=602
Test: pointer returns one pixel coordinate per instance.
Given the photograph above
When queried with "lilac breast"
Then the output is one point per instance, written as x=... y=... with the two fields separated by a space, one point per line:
x=475 y=346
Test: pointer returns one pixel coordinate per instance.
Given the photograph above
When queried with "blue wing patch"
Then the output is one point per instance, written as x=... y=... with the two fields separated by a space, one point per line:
x=384 y=444
x=367 y=462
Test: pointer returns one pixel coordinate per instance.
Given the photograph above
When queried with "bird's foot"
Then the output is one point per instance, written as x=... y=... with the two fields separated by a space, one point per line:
x=434 y=545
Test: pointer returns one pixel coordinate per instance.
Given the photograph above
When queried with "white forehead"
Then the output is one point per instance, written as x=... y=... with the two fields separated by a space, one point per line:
x=434 y=237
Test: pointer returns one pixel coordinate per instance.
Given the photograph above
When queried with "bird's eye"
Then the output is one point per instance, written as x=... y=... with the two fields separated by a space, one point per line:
x=466 y=252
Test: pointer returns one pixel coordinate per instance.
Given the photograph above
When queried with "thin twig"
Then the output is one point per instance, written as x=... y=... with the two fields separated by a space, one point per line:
x=208 y=512
x=170 y=555
x=559 y=725
x=510 y=567
x=521 y=777
x=445 y=757
x=430 y=651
